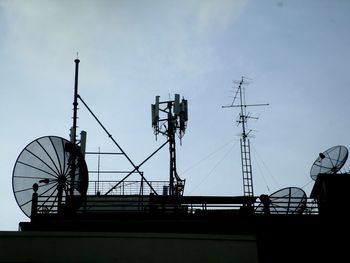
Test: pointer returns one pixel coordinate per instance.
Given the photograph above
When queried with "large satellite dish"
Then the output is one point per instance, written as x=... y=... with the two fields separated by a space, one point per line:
x=289 y=200
x=45 y=166
x=330 y=161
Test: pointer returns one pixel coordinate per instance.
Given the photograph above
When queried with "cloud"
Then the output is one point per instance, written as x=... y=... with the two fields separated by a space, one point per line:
x=218 y=15
x=162 y=36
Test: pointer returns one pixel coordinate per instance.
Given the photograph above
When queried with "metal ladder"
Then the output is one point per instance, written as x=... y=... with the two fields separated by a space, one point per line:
x=246 y=167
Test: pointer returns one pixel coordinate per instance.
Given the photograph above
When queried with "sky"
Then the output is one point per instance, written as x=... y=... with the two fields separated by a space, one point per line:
x=295 y=53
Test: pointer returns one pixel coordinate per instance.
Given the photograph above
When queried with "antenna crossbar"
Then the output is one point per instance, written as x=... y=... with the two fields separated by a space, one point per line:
x=245 y=105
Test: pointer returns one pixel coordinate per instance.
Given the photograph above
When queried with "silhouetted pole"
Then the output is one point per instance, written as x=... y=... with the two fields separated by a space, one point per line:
x=74 y=130
x=75 y=103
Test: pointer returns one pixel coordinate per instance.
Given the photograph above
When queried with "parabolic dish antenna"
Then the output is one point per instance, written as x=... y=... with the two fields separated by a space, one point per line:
x=330 y=161
x=290 y=200
x=46 y=165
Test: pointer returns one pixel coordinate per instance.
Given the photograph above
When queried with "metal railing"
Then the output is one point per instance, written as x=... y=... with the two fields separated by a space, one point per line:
x=127 y=187
x=172 y=204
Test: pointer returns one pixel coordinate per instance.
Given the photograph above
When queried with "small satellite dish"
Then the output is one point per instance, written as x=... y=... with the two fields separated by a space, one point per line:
x=330 y=161
x=290 y=200
x=45 y=166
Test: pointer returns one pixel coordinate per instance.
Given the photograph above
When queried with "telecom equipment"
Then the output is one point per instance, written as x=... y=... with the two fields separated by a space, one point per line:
x=173 y=121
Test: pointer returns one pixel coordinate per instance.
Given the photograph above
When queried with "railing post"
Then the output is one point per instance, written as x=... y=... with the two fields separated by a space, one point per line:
x=34 y=201
x=265 y=200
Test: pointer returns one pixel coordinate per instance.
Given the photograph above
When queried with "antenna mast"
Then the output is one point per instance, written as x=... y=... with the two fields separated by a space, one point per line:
x=75 y=103
x=175 y=119
x=74 y=128
x=244 y=140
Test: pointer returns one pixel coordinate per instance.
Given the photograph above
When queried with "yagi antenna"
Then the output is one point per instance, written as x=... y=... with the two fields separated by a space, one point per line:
x=245 y=143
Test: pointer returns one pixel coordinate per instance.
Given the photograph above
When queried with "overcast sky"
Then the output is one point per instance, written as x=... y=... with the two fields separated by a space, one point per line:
x=296 y=53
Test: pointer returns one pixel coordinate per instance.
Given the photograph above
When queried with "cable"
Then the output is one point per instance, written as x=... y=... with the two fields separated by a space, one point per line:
x=307 y=184
x=215 y=166
x=265 y=166
x=262 y=174
x=207 y=157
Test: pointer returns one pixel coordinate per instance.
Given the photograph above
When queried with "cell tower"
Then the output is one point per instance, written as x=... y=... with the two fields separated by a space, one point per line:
x=244 y=140
x=174 y=121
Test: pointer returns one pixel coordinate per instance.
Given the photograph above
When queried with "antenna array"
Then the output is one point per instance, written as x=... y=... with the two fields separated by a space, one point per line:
x=244 y=140
x=174 y=121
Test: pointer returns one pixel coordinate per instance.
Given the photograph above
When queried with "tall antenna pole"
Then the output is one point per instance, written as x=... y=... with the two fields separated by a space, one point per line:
x=75 y=103
x=244 y=140
x=74 y=128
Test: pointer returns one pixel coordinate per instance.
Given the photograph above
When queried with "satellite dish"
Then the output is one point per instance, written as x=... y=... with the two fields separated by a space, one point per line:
x=290 y=200
x=45 y=167
x=330 y=161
